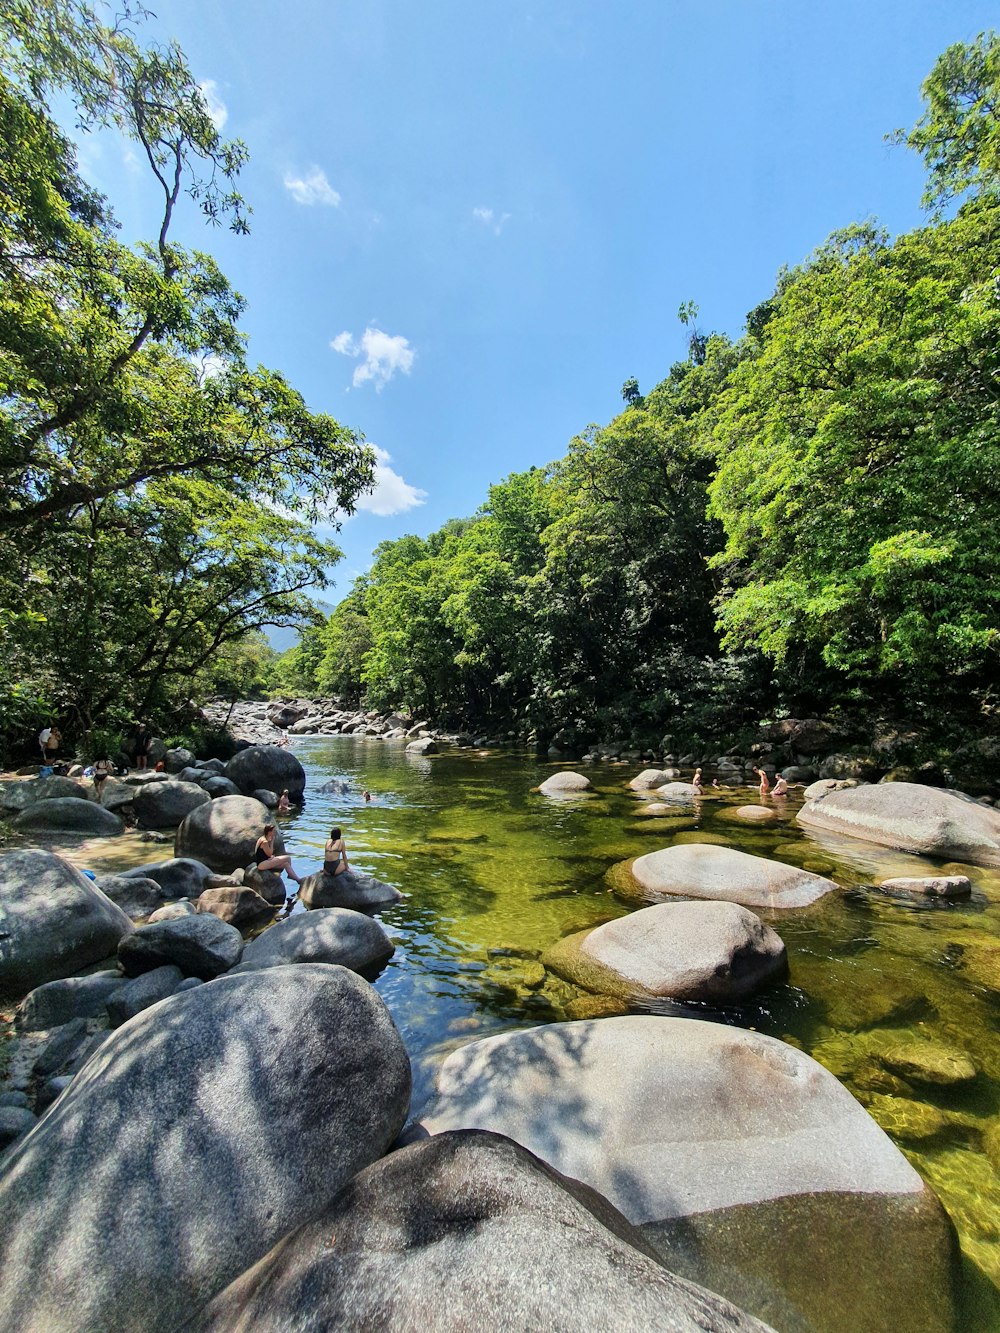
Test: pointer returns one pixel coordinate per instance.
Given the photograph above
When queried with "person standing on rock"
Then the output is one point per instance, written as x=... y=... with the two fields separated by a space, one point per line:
x=143 y=740
x=264 y=855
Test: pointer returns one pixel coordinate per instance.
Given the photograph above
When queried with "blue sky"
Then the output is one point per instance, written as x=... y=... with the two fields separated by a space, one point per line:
x=474 y=219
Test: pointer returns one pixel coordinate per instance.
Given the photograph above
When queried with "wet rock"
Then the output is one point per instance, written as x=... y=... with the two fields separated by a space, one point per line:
x=423 y=746
x=67 y=814
x=704 y=870
x=491 y=1218
x=180 y=877
x=911 y=818
x=756 y=814
x=928 y=1062
x=929 y=886
x=351 y=888
x=201 y=946
x=239 y=906
x=739 y=1156
x=515 y=977
x=710 y=951
x=137 y=897
x=595 y=1006
x=913 y=1122
x=564 y=784
x=223 y=833
x=54 y=921
x=201 y=1133
x=981 y=963
x=649 y=779
x=270 y=766
x=677 y=792
x=58 y=1002
x=141 y=992
x=331 y=935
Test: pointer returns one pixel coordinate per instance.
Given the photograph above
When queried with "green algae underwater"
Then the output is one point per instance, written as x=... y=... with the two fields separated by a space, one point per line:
x=900 y=999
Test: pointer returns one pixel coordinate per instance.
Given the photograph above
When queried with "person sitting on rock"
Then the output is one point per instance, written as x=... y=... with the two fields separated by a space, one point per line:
x=780 y=786
x=266 y=860
x=335 y=854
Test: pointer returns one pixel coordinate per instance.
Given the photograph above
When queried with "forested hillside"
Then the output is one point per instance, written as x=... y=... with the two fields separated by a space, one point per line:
x=802 y=519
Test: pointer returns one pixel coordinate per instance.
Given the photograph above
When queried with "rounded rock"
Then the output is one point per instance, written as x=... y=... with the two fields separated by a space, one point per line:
x=270 y=766
x=223 y=833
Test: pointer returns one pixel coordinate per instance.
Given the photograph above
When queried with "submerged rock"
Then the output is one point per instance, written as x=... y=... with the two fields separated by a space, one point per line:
x=202 y=1132
x=55 y=922
x=704 y=870
x=928 y=1062
x=912 y=818
x=504 y=1241
x=713 y=951
x=745 y=1163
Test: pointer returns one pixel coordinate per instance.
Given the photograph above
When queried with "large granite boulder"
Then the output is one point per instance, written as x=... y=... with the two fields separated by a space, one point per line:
x=749 y=1167
x=180 y=877
x=351 y=888
x=911 y=818
x=176 y=760
x=563 y=784
x=70 y=815
x=201 y=946
x=680 y=793
x=237 y=905
x=223 y=833
x=331 y=935
x=270 y=766
x=202 y=1131
x=18 y=795
x=704 y=870
x=648 y=779
x=53 y=921
x=711 y=951
x=165 y=804
x=136 y=896
x=221 y=786
x=467 y=1231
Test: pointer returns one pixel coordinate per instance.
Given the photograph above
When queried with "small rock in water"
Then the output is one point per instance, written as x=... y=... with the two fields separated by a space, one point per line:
x=929 y=886
x=928 y=1062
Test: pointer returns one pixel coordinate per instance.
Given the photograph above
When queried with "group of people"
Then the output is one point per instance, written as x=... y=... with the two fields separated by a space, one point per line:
x=780 y=785
x=334 y=854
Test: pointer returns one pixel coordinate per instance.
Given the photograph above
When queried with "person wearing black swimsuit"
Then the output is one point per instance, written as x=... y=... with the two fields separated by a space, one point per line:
x=264 y=855
x=335 y=854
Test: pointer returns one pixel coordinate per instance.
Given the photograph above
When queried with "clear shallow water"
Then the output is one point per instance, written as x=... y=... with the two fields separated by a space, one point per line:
x=493 y=874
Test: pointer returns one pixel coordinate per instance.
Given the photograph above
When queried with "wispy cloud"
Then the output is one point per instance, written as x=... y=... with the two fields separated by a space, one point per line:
x=218 y=112
x=488 y=217
x=392 y=495
x=312 y=188
x=209 y=367
x=383 y=355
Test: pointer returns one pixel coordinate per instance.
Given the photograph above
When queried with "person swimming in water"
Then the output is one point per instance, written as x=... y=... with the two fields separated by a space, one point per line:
x=335 y=854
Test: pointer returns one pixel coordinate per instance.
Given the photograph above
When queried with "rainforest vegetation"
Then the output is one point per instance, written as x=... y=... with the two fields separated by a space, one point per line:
x=800 y=519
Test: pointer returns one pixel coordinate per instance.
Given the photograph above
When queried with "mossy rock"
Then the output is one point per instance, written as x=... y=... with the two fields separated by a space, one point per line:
x=516 y=976
x=929 y=1063
x=595 y=1006
x=910 y=1121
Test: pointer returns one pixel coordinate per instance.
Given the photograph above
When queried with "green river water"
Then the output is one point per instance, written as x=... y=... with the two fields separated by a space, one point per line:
x=493 y=874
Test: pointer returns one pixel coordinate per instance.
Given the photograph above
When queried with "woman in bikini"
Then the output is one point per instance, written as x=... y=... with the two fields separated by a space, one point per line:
x=335 y=854
x=264 y=855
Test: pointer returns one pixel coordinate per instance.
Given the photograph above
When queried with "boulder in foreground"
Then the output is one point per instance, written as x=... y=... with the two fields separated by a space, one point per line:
x=201 y=946
x=704 y=870
x=712 y=951
x=202 y=1131
x=331 y=935
x=467 y=1231
x=69 y=814
x=55 y=922
x=750 y=1167
x=911 y=818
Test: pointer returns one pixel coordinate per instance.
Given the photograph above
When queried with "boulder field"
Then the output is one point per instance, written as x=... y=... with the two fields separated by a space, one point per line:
x=703 y=870
x=748 y=1167
x=911 y=818
x=202 y=1131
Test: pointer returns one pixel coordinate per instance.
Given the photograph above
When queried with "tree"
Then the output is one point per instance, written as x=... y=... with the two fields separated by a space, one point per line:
x=958 y=135
x=630 y=392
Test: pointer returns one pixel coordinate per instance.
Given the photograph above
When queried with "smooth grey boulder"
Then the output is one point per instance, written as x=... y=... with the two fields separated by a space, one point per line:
x=192 y=774
x=18 y=795
x=351 y=888
x=223 y=833
x=928 y=886
x=467 y=1231
x=53 y=921
x=177 y=759
x=213 y=766
x=560 y=784
x=236 y=904
x=742 y=1159
x=649 y=779
x=423 y=746
x=911 y=818
x=69 y=814
x=116 y=794
x=180 y=877
x=136 y=896
x=173 y=911
x=681 y=793
x=266 y=797
x=165 y=804
x=270 y=766
x=222 y=786
x=201 y=946
x=705 y=870
x=711 y=951
x=202 y=1132
x=15 y=1121
x=58 y=1002
x=267 y=883
x=331 y=935
x=141 y=992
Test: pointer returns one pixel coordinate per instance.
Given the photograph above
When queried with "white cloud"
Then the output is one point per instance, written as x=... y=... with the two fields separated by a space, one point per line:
x=383 y=354
x=392 y=495
x=313 y=188
x=218 y=112
x=209 y=367
x=489 y=218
